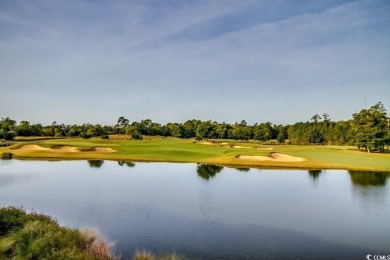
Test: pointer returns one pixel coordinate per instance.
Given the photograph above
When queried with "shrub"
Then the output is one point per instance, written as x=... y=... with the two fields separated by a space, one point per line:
x=10 y=135
x=136 y=136
x=5 y=144
x=6 y=156
x=84 y=135
x=37 y=236
x=105 y=137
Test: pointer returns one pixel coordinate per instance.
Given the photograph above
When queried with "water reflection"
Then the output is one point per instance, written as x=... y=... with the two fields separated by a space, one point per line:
x=370 y=189
x=128 y=164
x=315 y=174
x=207 y=171
x=368 y=178
x=226 y=218
x=95 y=163
x=243 y=169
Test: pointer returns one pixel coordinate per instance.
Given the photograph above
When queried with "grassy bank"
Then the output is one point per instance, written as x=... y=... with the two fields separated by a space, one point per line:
x=159 y=149
x=36 y=236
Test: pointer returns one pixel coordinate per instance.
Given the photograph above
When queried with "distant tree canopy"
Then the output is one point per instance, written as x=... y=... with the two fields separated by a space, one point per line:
x=368 y=130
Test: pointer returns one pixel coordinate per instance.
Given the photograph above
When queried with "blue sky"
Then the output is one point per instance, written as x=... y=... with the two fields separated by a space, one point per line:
x=225 y=60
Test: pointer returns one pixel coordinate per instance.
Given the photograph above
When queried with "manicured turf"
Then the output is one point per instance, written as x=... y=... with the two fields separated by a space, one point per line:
x=186 y=150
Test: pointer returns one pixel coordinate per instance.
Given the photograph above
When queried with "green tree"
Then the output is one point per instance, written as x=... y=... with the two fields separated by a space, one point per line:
x=222 y=130
x=242 y=132
x=121 y=125
x=371 y=128
x=281 y=138
x=24 y=128
x=204 y=130
x=316 y=137
x=262 y=132
x=7 y=124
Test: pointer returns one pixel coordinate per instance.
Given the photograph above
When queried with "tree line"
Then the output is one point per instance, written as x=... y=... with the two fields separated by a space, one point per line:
x=368 y=130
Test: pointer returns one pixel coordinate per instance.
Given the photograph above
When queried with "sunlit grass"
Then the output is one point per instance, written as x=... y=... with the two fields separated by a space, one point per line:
x=36 y=236
x=169 y=149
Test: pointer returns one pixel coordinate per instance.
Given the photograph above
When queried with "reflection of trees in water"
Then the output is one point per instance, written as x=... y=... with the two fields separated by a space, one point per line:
x=129 y=164
x=95 y=163
x=207 y=171
x=243 y=169
x=368 y=178
x=315 y=174
x=370 y=188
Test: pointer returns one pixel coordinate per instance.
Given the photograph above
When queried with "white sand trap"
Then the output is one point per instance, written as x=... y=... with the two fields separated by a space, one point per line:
x=32 y=147
x=104 y=150
x=64 y=149
x=224 y=143
x=286 y=158
x=240 y=147
x=255 y=158
x=273 y=157
x=268 y=148
x=206 y=143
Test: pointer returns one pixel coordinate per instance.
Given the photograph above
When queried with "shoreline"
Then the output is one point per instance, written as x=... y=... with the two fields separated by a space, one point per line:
x=228 y=165
x=231 y=153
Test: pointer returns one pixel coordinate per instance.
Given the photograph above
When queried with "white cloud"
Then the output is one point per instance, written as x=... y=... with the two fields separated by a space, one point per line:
x=324 y=56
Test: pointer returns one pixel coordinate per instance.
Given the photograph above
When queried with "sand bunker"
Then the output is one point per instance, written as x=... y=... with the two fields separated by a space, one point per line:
x=273 y=157
x=62 y=149
x=254 y=158
x=268 y=148
x=206 y=143
x=104 y=149
x=32 y=147
x=223 y=144
x=286 y=158
x=240 y=147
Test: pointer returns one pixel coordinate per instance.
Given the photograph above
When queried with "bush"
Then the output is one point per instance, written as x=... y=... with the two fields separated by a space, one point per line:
x=6 y=156
x=5 y=144
x=136 y=136
x=36 y=236
x=105 y=137
x=10 y=135
x=84 y=135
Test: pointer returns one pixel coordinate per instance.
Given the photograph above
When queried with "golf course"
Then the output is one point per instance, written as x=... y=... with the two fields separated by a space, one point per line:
x=221 y=152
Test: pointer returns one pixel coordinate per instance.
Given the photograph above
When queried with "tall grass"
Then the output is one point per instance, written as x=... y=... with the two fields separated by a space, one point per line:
x=36 y=236
x=147 y=255
x=31 y=236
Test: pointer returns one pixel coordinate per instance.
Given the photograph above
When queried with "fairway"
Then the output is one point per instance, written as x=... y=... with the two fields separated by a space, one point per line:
x=230 y=153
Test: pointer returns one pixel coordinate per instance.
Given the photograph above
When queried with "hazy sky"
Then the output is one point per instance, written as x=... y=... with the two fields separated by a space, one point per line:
x=225 y=60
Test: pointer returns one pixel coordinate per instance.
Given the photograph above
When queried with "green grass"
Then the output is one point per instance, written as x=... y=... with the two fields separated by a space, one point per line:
x=170 y=149
x=36 y=236
x=30 y=236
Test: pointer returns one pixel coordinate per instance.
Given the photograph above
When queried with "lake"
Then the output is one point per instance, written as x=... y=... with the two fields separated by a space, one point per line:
x=210 y=212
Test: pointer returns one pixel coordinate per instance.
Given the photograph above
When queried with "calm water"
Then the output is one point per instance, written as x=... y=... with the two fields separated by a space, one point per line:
x=208 y=212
